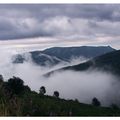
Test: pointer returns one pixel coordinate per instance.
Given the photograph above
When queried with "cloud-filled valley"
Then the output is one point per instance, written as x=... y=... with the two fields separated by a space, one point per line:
x=59 y=59
x=70 y=84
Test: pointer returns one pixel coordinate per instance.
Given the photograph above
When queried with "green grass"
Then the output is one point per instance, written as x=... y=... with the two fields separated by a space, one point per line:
x=50 y=106
x=30 y=103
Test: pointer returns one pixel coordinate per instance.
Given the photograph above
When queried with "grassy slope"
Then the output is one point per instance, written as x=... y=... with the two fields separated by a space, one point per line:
x=30 y=103
x=47 y=105
x=33 y=104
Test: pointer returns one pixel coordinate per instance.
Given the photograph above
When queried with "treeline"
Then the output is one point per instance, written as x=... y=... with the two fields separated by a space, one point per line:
x=17 y=99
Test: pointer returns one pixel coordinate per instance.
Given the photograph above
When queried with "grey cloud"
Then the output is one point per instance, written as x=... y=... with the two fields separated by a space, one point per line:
x=86 y=84
x=93 y=11
x=58 y=20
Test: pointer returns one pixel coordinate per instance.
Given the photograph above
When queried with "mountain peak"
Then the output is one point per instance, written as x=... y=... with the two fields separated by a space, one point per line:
x=55 y=55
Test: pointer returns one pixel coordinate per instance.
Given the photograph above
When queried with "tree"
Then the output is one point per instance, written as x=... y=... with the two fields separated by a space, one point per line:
x=1 y=78
x=96 y=102
x=42 y=90
x=1 y=81
x=16 y=85
x=27 y=88
x=56 y=94
x=114 y=106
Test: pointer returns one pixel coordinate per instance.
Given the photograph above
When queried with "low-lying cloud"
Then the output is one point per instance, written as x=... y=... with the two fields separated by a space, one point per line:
x=84 y=86
x=70 y=84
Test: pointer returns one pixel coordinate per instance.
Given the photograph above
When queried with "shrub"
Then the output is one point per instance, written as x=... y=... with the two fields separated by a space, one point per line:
x=42 y=90
x=56 y=94
x=96 y=102
x=16 y=85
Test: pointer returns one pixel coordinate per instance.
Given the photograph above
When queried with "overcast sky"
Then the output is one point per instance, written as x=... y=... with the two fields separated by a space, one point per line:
x=60 y=24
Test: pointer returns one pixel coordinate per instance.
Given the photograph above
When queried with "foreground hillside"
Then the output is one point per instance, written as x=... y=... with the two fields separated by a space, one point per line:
x=16 y=99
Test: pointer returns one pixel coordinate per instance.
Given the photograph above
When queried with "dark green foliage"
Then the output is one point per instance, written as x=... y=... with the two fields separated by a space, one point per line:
x=16 y=85
x=96 y=102
x=76 y=100
x=56 y=94
x=1 y=81
x=30 y=103
x=42 y=90
x=1 y=78
x=27 y=88
x=114 y=106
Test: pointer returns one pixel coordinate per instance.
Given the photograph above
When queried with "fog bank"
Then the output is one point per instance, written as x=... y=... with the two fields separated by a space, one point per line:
x=70 y=84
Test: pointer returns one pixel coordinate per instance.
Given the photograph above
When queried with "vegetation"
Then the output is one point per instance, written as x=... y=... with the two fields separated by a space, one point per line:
x=96 y=102
x=16 y=99
x=56 y=94
x=42 y=90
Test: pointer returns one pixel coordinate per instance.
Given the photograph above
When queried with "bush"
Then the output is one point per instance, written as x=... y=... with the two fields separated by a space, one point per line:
x=42 y=90
x=114 y=106
x=1 y=79
x=16 y=85
x=56 y=94
x=27 y=88
x=96 y=102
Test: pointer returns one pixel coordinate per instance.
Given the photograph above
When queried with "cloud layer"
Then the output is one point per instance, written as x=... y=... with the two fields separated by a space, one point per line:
x=70 y=84
x=84 y=22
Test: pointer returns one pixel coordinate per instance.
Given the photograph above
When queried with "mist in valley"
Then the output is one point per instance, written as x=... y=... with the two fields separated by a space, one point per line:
x=83 y=86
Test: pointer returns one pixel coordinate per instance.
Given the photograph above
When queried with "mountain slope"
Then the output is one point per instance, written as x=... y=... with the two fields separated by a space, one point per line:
x=55 y=55
x=108 y=62
x=37 y=58
x=66 y=53
x=44 y=59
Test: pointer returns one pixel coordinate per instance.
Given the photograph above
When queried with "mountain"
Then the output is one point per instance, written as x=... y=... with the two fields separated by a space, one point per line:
x=66 y=53
x=37 y=57
x=40 y=58
x=107 y=62
x=55 y=55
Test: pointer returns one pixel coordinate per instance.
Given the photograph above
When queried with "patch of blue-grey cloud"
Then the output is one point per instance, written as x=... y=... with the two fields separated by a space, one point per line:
x=84 y=22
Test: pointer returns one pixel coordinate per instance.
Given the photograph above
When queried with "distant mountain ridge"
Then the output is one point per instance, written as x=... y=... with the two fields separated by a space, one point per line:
x=108 y=62
x=66 y=53
x=55 y=55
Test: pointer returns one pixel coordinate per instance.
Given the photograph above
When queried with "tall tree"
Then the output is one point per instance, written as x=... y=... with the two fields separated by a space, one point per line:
x=56 y=94
x=42 y=90
x=16 y=85
x=96 y=102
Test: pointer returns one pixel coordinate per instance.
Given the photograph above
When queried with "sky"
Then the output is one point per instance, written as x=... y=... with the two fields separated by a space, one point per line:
x=26 y=27
x=47 y=25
